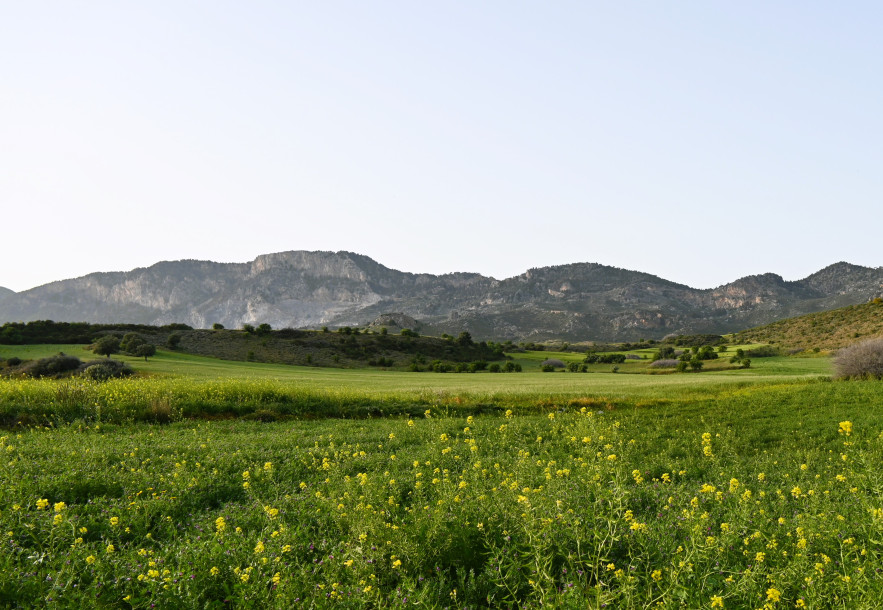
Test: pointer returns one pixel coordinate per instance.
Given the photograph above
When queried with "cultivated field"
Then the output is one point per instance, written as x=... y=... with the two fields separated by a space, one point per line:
x=279 y=486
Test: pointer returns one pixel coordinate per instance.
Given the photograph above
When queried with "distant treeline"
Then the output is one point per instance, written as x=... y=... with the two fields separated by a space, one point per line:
x=72 y=333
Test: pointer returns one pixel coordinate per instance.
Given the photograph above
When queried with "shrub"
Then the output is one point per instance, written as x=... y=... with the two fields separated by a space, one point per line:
x=102 y=370
x=547 y=368
x=173 y=341
x=609 y=359
x=862 y=360
x=664 y=353
x=217 y=326
x=13 y=361
x=764 y=351
x=54 y=366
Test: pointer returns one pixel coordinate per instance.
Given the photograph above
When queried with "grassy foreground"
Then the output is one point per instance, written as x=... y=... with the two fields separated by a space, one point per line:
x=175 y=386
x=738 y=489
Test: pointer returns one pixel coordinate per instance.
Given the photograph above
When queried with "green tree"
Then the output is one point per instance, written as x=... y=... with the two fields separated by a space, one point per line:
x=131 y=342
x=106 y=345
x=145 y=350
x=263 y=329
x=11 y=336
x=173 y=341
x=217 y=326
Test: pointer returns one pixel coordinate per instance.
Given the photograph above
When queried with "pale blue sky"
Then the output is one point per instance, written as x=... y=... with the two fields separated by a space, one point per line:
x=697 y=141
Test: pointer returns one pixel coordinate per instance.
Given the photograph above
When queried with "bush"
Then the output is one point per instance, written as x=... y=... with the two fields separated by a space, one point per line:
x=14 y=361
x=764 y=351
x=102 y=370
x=860 y=361
x=54 y=366
x=665 y=353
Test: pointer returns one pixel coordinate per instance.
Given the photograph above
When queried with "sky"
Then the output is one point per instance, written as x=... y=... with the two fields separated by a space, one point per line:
x=698 y=141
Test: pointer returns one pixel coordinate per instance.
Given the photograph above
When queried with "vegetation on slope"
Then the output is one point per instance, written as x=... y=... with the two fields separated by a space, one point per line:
x=826 y=330
x=345 y=348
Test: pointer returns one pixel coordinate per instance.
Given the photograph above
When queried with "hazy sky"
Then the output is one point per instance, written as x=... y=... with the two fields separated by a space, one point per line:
x=699 y=141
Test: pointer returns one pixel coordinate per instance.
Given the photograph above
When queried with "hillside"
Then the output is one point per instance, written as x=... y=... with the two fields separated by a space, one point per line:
x=576 y=302
x=827 y=330
x=346 y=348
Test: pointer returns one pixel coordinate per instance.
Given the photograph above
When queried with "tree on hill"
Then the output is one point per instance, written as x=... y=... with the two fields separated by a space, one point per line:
x=145 y=350
x=131 y=342
x=106 y=345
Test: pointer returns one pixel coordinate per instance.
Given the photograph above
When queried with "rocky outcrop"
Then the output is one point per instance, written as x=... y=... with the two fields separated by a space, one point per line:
x=310 y=289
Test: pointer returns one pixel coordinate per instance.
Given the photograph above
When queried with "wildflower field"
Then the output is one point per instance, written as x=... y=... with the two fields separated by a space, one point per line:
x=751 y=492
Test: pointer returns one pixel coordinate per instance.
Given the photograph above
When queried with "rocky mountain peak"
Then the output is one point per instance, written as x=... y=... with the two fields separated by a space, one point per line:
x=579 y=301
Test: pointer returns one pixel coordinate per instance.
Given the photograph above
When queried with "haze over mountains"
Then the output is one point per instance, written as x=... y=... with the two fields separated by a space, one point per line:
x=581 y=301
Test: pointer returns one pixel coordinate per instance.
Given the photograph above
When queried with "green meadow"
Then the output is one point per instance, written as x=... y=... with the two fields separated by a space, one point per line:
x=202 y=483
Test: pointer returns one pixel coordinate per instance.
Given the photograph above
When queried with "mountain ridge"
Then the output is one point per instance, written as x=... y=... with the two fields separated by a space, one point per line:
x=575 y=301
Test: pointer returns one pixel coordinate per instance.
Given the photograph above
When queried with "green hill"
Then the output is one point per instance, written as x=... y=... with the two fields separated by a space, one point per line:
x=345 y=348
x=826 y=330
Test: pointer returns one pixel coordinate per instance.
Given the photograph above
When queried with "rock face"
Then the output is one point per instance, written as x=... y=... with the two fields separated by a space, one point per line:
x=309 y=289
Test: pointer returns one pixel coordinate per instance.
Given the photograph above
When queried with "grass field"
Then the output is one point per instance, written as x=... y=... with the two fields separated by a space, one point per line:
x=753 y=488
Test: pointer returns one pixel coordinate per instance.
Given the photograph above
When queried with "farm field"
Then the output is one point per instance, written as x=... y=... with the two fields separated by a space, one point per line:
x=754 y=488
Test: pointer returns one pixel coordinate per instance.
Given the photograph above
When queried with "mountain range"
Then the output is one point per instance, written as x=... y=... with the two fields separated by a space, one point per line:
x=297 y=289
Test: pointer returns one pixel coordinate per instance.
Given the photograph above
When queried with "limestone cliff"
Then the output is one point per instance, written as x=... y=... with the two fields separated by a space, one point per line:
x=309 y=289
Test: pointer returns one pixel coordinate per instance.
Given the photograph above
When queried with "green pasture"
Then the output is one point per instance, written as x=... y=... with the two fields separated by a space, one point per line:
x=756 y=496
x=173 y=386
x=741 y=488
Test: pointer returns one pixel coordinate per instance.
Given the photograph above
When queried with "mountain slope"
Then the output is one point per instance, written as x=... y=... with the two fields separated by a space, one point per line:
x=308 y=289
x=826 y=330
